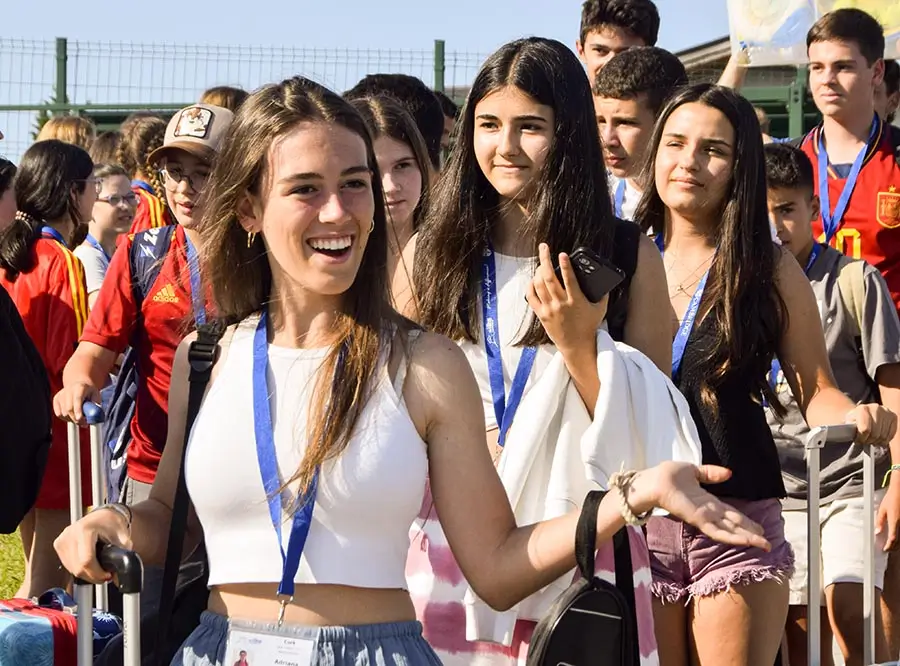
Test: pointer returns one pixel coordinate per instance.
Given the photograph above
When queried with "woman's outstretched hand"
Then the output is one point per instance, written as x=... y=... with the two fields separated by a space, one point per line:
x=675 y=487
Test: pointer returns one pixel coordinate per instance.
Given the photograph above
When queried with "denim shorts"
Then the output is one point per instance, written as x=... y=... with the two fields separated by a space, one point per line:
x=389 y=644
x=687 y=563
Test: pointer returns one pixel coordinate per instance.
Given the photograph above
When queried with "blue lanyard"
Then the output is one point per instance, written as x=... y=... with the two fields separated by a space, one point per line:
x=268 y=469
x=143 y=185
x=93 y=242
x=776 y=364
x=679 y=344
x=47 y=231
x=620 y=198
x=504 y=410
x=831 y=221
x=197 y=300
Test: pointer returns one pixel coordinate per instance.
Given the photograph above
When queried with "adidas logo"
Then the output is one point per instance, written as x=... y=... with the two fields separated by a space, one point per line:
x=166 y=295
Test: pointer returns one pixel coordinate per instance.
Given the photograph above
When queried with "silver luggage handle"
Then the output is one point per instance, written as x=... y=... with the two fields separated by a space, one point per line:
x=129 y=571
x=815 y=441
x=93 y=414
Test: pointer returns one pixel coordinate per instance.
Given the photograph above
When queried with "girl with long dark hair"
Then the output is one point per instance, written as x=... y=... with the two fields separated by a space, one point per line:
x=55 y=193
x=738 y=301
x=327 y=406
x=525 y=186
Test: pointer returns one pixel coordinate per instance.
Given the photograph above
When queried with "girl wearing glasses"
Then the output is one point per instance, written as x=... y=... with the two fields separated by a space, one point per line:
x=112 y=215
x=55 y=192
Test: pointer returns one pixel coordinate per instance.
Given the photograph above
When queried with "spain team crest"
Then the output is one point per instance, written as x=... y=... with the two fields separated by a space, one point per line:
x=887 y=208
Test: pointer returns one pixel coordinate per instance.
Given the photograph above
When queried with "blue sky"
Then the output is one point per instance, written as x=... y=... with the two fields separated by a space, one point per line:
x=474 y=25
x=169 y=54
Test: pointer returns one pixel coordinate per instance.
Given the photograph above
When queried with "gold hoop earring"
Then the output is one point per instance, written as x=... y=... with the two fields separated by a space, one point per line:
x=251 y=236
x=372 y=226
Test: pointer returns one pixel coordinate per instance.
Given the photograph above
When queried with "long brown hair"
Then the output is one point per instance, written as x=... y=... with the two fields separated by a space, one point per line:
x=386 y=118
x=741 y=296
x=570 y=206
x=241 y=277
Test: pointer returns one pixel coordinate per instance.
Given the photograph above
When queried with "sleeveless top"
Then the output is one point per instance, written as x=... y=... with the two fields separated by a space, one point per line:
x=514 y=315
x=367 y=497
x=736 y=434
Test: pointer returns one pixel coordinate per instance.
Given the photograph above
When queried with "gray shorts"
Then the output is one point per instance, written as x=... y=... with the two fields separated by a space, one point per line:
x=389 y=644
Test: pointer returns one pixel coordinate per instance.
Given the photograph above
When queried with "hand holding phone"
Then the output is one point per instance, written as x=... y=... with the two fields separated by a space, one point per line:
x=596 y=276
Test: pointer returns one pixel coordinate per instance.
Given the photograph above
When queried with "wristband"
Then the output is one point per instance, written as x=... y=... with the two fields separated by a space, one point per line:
x=122 y=509
x=887 y=475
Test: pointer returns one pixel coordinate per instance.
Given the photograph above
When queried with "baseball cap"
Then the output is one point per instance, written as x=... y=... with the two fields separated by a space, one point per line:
x=196 y=129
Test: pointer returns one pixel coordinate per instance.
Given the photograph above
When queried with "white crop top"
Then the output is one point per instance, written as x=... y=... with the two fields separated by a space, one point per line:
x=513 y=276
x=367 y=497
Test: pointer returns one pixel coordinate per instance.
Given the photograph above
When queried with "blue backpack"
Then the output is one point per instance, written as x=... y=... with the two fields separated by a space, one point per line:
x=145 y=259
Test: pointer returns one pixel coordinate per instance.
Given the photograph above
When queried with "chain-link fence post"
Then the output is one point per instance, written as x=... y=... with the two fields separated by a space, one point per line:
x=62 y=68
x=440 y=65
x=797 y=104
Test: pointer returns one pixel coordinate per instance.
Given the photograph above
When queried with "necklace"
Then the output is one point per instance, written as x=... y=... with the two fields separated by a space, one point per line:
x=692 y=278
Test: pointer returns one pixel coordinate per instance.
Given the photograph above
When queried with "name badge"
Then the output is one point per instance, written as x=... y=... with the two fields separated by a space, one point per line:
x=255 y=648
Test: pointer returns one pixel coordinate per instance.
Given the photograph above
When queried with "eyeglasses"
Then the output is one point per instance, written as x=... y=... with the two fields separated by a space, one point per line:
x=115 y=199
x=174 y=175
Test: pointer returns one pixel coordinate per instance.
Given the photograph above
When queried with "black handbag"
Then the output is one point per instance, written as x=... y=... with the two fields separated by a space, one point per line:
x=592 y=623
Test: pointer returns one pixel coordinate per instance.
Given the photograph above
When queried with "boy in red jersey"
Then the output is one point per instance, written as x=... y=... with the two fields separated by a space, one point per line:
x=174 y=303
x=853 y=150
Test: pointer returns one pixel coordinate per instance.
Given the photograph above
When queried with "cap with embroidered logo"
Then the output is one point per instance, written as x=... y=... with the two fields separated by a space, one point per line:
x=197 y=129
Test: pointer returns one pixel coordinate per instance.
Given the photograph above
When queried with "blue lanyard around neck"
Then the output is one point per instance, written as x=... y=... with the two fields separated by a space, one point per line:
x=504 y=409
x=49 y=232
x=831 y=220
x=679 y=344
x=620 y=199
x=268 y=467
x=93 y=242
x=776 y=364
x=197 y=299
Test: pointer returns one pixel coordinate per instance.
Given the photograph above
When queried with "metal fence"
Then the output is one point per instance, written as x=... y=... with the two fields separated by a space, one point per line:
x=63 y=76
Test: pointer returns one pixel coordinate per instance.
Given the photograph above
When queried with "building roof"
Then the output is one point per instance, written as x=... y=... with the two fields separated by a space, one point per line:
x=704 y=54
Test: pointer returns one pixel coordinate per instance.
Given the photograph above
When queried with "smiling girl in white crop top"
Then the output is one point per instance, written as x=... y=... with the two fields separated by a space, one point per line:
x=347 y=408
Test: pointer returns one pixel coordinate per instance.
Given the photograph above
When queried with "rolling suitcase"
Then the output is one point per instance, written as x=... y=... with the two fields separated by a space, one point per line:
x=48 y=633
x=815 y=441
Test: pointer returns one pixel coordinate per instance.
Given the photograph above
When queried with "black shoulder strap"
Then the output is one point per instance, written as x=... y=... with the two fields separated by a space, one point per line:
x=585 y=547
x=202 y=356
x=626 y=243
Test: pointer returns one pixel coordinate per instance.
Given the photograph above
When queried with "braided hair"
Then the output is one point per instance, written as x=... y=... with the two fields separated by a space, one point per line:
x=142 y=133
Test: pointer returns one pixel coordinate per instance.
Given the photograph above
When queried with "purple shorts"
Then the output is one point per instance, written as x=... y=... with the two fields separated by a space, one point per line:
x=687 y=563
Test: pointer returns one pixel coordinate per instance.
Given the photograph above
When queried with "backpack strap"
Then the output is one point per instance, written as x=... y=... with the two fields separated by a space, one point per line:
x=852 y=287
x=145 y=260
x=202 y=355
x=626 y=242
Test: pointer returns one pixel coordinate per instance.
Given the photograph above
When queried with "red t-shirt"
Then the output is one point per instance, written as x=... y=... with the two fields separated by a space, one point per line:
x=52 y=300
x=870 y=228
x=167 y=316
x=151 y=211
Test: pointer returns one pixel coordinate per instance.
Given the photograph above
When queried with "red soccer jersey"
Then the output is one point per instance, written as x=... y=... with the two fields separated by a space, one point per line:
x=167 y=317
x=52 y=299
x=151 y=210
x=870 y=228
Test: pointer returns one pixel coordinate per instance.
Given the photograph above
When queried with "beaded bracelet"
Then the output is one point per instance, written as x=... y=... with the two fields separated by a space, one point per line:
x=621 y=481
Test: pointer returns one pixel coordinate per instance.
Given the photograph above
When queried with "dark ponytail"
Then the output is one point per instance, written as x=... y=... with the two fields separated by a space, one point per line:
x=49 y=175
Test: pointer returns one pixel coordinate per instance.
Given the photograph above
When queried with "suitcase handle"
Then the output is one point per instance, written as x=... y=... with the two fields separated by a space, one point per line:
x=125 y=564
x=93 y=413
x=834 y=434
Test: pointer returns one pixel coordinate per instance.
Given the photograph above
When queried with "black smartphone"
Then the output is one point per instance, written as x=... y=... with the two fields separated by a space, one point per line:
x=596 y=276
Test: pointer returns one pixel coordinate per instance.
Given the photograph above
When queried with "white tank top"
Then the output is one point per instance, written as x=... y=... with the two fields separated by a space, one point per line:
x=367 y=497
x=513 y=276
